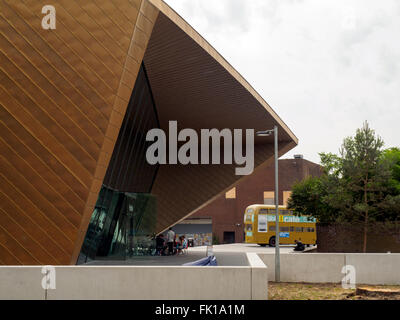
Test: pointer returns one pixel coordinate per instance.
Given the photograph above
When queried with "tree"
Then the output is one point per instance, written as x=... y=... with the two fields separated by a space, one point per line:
x=309 y=197
x=364 y=175
x=391 y=203
x=392 y=155
x=318 y=196
x=361 y=184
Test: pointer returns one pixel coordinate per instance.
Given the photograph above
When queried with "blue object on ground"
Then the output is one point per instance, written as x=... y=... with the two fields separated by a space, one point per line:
x=207 y=261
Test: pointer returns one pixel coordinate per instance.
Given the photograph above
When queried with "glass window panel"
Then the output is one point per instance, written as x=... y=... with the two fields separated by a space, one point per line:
x=123 y=221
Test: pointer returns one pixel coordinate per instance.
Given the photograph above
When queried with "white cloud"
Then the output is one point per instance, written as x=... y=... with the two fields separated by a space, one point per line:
x=324 y=66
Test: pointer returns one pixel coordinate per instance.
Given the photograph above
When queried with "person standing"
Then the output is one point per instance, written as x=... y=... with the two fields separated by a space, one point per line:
x=160 y=245
x=170 y=241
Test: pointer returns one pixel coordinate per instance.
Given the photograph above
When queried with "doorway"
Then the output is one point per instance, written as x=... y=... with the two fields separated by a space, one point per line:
x=229 y=236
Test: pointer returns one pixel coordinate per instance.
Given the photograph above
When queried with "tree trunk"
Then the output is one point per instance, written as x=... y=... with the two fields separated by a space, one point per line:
x=365 y=219
x=365 y=232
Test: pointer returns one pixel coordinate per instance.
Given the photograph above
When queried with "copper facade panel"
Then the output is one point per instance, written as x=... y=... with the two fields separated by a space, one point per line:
x=138 y=39
x=63 y=97
x=58 y=92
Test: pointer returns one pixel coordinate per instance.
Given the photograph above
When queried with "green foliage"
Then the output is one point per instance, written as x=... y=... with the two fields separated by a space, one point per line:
x=365 y=174
x=362 y=183
x=309 y=197
x=331 y=164
x=391 y=203
x=392 y=155
x=215 y=240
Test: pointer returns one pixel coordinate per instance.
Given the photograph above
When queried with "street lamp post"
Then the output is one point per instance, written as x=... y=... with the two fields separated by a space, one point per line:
x=277 y=251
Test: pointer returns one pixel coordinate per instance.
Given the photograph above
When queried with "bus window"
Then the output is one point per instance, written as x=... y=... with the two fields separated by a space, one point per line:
x=291 y=229
x=249 y=227
x=299 y=229
x=284 y=212
x=284 y=229
x=271 y=228
x=248 y=217
x=263 y=211
x=262 y=223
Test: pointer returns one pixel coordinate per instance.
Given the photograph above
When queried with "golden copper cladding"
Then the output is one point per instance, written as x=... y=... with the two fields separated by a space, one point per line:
x=63 y=97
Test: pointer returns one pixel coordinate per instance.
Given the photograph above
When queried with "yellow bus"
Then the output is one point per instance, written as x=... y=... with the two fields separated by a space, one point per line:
x=259 y=226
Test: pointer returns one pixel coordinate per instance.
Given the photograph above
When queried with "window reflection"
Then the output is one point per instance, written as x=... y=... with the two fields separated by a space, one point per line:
x=124 y=219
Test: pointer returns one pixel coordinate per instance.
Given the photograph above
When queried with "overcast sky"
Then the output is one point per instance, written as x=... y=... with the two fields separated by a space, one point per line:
x=324 y=66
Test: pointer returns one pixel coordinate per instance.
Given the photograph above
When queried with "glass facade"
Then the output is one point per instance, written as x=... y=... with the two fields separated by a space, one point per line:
x=124 y=219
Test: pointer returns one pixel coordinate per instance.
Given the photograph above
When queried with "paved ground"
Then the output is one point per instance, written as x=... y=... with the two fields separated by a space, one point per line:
x=153 y=260
x=245 y=247
x=223 y=259
x=226 y=254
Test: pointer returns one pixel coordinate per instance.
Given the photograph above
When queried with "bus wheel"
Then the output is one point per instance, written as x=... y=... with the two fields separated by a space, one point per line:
x=262 y=244
x=272 y=241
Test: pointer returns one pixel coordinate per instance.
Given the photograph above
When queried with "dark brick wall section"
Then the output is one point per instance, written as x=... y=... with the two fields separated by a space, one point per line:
x=349 y=237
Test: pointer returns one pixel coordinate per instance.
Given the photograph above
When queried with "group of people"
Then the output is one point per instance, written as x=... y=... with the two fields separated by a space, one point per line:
x=170 y=245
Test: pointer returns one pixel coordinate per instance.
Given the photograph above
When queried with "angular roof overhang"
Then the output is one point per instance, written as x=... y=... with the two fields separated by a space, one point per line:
x=193 y=84
x=188 y=74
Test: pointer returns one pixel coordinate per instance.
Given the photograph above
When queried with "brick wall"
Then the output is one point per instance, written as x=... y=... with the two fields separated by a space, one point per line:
x=349 y=237
x=227 y=214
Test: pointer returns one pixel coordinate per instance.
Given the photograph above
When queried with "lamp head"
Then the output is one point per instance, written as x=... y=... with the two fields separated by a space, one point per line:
x=265 y=133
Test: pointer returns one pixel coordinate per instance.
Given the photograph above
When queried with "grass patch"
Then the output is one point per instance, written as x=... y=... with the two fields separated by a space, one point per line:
x=320 y=291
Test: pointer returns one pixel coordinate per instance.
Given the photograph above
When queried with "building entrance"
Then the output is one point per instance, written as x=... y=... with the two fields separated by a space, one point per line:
x=122 y=225
x=229 y=237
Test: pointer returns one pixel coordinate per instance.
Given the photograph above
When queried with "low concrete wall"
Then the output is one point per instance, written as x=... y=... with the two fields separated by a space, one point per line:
x=306 y=267
x=146 y=282
x=376 y=268
x=259 y=277
x=371 y=268
x=139 y=282
x=21 y=283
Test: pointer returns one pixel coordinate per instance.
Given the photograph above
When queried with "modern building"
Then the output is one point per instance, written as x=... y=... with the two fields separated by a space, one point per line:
x=224 y=215
x=76 y=103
